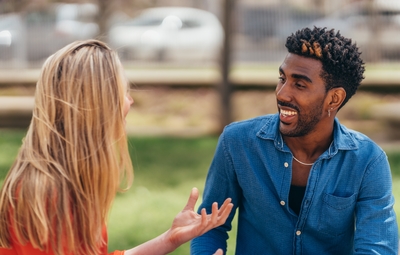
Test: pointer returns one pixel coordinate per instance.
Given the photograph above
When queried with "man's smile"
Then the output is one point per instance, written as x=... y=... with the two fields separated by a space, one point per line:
x=286 y=113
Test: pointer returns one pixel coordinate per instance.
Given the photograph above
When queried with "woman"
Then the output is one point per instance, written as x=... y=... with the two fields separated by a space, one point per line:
x=74 y=158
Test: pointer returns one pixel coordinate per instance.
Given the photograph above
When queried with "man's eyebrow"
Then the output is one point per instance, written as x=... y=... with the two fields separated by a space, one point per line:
x=302 y=77
x=297 y=76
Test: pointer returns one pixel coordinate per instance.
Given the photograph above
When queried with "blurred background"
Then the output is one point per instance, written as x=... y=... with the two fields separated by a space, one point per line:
x=190 y=32
x=194 y=66
x=197 y=65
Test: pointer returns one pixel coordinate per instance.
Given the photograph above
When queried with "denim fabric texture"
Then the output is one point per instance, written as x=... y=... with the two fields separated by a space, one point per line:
x=347 y=207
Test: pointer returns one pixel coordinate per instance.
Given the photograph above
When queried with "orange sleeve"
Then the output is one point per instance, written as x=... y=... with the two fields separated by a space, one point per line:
x=4 y=251
x=18 y=249
x=117 y=253
x=30 y=251
x=23 y=250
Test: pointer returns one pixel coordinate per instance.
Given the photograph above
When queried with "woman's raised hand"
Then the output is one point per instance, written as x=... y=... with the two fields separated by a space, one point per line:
x=188 y=224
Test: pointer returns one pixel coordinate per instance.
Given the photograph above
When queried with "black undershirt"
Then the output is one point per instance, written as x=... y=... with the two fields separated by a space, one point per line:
x=296 y=195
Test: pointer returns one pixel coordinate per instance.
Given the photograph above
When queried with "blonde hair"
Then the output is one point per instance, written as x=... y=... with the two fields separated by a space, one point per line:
x=74 y=158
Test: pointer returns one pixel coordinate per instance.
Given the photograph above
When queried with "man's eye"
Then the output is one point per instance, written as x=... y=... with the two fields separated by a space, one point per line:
x=280 y=78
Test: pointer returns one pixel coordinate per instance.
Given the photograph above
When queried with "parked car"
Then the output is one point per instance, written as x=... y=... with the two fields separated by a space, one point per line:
x=9 y=27
x=169 y=34
x=54 y=27
x=373 y=25
x=35 y=34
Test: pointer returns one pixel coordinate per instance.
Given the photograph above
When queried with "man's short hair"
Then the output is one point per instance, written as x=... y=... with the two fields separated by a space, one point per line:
x=341 y=62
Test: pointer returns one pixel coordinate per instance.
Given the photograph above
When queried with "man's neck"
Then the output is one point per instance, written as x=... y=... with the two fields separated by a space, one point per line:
x=310 y=146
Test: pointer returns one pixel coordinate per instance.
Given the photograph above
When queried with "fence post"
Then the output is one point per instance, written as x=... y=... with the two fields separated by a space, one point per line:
x=225 y=87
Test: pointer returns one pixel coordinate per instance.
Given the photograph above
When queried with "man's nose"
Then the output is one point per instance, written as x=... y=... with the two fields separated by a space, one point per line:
x=283 y=92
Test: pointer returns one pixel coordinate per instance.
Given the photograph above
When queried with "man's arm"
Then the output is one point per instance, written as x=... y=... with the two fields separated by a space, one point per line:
x=376 y=225
x=221 y=182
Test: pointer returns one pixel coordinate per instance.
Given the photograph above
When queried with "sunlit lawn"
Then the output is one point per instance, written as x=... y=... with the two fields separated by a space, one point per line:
x=165 y=171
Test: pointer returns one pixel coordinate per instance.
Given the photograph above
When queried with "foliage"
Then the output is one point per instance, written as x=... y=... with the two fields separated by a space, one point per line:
x=394 y=160
x=166 y=169
x=10 y=141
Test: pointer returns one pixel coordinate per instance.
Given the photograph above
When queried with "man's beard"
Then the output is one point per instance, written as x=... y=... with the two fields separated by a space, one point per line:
x=305 y=123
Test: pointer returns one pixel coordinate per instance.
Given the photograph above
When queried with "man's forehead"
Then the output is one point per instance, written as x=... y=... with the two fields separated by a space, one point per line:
x=299 y=64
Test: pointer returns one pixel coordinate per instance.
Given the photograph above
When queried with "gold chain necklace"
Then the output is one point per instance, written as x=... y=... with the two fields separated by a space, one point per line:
x=306 y=164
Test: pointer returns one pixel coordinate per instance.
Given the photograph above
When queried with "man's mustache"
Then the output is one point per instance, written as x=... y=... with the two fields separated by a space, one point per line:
x=288 y=105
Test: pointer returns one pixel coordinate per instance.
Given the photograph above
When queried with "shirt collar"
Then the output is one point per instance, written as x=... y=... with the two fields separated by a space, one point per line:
x=342 y=139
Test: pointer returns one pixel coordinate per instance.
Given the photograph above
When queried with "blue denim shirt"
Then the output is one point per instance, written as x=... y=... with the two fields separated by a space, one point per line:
x=347 y=207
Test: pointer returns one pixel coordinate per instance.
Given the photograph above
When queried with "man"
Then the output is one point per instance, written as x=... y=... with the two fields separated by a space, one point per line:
x=302 y=182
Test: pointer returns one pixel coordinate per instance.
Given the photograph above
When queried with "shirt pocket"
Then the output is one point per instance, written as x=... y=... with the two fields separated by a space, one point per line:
x=337 y=214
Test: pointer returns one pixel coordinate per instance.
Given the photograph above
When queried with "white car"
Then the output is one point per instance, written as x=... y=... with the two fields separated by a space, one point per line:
x=169 y=34
x=35 y=34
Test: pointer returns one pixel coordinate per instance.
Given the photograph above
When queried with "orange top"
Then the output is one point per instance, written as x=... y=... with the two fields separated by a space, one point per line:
x=18 y=249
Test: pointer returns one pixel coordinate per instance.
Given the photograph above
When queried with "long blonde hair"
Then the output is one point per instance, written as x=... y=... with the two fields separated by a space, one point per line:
x=74 y=158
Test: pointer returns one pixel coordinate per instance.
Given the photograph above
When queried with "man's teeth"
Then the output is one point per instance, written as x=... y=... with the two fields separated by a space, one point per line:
x=288 y=113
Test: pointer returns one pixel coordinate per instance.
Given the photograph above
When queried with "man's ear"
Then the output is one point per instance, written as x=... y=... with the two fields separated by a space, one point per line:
x=336 y=97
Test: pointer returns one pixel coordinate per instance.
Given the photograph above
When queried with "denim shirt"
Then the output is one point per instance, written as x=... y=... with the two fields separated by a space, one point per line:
x=347 y=207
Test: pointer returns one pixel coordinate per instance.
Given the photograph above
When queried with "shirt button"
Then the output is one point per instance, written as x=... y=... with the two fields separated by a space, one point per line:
x=282 y=203
x=286 y=164
x=298 y=232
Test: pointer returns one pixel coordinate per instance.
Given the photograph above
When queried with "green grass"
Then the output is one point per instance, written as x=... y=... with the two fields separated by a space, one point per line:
x=10 y=141
x=165 y=171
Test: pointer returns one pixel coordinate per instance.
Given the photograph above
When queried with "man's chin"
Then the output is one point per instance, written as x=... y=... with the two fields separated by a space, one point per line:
x=288 y=131
x=284 y=129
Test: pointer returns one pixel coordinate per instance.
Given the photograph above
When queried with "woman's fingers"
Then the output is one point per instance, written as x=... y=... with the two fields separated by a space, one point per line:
x=225 y=210
x=194 y=195
x=221 y=214
x=214 y=213
x=219 y=252
x=204 y=216
x=227 y=205
x=217 y=217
